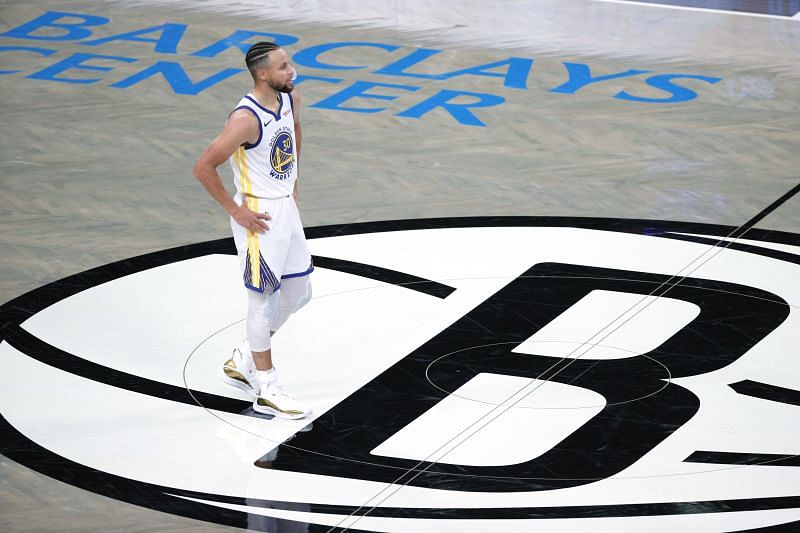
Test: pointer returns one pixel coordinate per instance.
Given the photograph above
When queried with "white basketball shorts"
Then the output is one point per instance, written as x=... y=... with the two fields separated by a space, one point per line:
x=280 y=253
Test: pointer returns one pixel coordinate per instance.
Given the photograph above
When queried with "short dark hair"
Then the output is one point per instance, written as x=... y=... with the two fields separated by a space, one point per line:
x=258 y=56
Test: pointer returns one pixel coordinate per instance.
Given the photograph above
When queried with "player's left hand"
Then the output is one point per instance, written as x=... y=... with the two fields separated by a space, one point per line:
x=251 y=220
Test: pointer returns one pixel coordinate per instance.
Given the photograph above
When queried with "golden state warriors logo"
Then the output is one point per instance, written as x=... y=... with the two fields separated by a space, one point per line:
x=281 y=156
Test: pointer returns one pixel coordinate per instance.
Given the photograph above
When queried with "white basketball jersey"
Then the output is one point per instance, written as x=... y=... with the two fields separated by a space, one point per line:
x=267 y=168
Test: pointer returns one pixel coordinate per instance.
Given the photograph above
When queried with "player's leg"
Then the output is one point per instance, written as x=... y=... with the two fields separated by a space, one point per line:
x=296 y=276
x=271 y=398
x=273 y=248
x=254 y=371
x=254 y=355
x=294 y=293
x=240 y=370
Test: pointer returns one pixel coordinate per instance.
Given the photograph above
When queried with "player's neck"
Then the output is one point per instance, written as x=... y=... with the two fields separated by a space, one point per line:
x=266 y=96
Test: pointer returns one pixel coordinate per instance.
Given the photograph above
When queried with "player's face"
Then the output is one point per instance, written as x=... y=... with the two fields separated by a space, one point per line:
x=279 y=72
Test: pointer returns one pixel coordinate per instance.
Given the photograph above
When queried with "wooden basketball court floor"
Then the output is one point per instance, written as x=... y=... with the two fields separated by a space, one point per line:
x=556 y=286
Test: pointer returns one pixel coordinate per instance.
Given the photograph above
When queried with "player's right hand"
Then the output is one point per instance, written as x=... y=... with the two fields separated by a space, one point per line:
x=251 y=220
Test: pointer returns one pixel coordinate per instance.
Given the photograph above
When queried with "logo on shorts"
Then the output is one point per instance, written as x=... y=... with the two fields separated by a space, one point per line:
x=281 y=156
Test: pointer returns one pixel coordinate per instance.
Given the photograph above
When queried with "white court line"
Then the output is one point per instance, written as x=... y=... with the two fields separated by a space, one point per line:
x=703 y=9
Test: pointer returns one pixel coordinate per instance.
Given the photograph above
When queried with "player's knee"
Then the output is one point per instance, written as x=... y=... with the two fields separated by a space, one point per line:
x=305 y=295
x=270 y=311
x=296 y=294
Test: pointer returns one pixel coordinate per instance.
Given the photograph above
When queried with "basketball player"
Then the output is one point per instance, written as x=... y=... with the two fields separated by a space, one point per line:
x=261 y=139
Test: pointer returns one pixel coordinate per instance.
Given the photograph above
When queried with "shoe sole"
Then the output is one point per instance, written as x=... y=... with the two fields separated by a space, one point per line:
x=280 y=414
x=236 y=383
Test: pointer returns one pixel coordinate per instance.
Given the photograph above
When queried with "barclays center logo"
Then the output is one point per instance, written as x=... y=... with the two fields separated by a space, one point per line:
x=486 y=374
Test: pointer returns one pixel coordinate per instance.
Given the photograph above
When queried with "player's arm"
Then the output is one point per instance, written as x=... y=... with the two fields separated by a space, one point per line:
x=298 y=134
x=241 y=128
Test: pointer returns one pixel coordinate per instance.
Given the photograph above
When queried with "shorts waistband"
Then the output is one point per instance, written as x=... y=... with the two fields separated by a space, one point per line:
x=265 y=197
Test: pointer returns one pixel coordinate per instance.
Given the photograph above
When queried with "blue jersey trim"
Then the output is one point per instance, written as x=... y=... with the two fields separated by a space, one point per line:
x=299 y=274
x=261 y=107
x=260 y=290
x=254 y=288
x=248 y=146
x=291 y=101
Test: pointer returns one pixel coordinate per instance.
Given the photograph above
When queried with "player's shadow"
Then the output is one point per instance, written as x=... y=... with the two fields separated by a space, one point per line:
x=264 y=522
